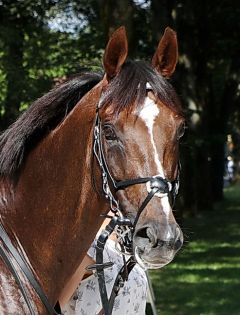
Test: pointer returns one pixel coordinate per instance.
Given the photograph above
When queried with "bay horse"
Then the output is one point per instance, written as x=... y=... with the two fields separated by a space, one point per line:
x=49 y=207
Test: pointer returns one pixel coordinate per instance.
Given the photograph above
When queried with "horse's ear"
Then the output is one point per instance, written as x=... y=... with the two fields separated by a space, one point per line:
x=166 y=55
x=116 y=52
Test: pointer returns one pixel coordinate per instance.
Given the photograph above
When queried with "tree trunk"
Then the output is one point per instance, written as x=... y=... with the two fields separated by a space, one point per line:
x=119 y=13
x=161 y=12
x=218 y=163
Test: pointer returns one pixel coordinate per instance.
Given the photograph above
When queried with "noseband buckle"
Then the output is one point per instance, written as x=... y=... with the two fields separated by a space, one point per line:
x=161 y=184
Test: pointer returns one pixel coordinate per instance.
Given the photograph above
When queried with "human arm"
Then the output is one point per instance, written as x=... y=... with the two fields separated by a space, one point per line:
x=77 y=277
x=80 y=273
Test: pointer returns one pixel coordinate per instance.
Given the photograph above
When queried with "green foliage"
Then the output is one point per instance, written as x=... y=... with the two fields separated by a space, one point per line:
x=34 y=57
x=44 y=41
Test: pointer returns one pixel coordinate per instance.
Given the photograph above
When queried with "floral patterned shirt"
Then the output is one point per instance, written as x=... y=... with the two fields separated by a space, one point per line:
x=131 y=299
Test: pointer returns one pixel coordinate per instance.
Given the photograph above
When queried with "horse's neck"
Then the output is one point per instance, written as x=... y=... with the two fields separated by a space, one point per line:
x=56 y=211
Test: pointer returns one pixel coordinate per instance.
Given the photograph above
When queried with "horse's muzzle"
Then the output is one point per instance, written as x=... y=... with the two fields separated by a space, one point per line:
x=156 y=249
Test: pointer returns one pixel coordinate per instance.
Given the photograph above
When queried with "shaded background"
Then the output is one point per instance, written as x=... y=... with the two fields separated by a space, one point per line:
x=43 y=42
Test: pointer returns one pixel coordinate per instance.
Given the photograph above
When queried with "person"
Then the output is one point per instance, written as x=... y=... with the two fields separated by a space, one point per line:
x=81 y=294
x=230 y=168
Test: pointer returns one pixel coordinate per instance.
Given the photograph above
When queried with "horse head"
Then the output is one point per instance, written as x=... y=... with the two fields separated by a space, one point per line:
x=141 y=124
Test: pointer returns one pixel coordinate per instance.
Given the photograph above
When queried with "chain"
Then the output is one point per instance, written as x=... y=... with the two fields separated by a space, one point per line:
x=123 y=233
x=114 y=204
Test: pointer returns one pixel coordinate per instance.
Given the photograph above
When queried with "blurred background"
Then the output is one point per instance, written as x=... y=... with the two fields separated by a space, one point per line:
x=43 y=42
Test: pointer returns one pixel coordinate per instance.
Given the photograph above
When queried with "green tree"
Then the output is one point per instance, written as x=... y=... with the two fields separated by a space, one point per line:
x=19 y=19
x=210 y=84
x=33 y=56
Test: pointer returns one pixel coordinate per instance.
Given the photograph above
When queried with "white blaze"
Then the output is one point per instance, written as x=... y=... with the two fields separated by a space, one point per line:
x=148 y=114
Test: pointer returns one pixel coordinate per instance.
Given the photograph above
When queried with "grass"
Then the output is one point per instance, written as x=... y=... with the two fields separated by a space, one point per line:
x=204 y=279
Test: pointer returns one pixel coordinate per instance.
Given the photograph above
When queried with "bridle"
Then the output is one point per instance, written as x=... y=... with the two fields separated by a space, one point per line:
x=157 y=184
x=119 y=223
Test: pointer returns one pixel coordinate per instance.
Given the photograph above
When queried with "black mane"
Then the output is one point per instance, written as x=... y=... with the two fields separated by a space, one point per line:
x=46 y=113
x=42 y=116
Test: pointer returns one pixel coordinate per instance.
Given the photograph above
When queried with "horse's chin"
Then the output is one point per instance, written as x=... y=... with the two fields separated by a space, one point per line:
x=147 y=264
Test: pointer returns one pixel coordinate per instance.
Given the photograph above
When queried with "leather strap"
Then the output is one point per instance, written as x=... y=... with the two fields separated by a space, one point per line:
x=120 y=279
x=26 y=270
x=7 y=260
x=100 y=266
x=126 y=183
x=144 y=204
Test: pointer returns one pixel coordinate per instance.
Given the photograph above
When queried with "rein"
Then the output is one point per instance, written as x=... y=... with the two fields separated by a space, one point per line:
x=16 y=257
x=122 y=225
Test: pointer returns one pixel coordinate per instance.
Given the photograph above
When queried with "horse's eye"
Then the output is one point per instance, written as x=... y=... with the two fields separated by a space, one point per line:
x=181 y=130
x=109 y=133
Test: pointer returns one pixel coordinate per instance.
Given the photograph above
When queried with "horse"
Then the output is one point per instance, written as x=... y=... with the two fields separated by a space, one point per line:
x=51 y=197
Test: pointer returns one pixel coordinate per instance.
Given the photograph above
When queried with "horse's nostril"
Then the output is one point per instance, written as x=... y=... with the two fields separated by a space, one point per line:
x=147 y=236
x=151 y=237
x=142 y=233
